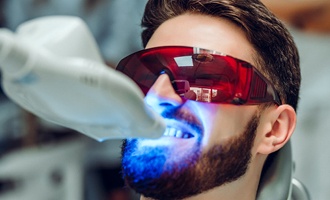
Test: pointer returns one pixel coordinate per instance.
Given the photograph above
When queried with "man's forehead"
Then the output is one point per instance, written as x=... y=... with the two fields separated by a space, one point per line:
x=205 y=32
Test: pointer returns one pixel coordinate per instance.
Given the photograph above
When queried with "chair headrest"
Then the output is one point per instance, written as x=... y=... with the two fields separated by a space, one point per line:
x=276 y=178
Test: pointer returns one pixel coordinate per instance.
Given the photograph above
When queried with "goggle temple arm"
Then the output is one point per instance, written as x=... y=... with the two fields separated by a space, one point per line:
x=260 y=84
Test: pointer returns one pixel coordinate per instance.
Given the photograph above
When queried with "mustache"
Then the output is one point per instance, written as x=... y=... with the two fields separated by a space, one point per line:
x=184 y=116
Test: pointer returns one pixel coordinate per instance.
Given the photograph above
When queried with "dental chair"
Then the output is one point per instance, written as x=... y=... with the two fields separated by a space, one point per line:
x=277 y=181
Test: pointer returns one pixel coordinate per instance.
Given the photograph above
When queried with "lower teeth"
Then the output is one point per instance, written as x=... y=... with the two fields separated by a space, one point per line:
x=177 y=133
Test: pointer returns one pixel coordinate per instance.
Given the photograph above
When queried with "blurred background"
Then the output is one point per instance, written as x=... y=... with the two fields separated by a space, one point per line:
x=39 y=160
x=309 y=23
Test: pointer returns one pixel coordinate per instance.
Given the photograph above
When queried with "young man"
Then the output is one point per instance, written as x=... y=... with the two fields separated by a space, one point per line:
x=225 y=76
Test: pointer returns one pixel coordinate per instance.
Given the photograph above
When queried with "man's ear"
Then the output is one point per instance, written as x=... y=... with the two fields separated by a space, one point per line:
x=276 y=128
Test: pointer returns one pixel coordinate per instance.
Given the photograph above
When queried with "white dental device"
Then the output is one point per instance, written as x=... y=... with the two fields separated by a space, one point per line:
x=52 y=67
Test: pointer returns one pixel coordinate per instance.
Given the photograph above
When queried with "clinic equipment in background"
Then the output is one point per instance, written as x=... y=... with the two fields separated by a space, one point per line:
x=52 y=67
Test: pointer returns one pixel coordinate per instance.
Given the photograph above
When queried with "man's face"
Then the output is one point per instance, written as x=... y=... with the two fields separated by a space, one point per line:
x=222 y=144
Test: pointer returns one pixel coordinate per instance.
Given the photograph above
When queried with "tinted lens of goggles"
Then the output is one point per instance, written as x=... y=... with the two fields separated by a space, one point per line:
x=208 y=75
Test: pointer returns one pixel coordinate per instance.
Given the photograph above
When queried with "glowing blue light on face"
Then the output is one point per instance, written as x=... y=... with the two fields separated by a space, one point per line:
x=142 y=165
x=155 y=173
x=152 y=100
x=203 y=112
x=157 y=103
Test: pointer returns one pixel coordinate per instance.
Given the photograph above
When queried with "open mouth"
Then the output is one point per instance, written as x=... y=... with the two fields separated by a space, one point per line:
x=182 y=125
x=179 y=129
x=177 y=133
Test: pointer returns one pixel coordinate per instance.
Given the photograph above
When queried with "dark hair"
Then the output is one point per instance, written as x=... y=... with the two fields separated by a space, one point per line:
x=276 y=53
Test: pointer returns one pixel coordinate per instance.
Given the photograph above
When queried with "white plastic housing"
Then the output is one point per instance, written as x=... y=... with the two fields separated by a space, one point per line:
x=52 y=68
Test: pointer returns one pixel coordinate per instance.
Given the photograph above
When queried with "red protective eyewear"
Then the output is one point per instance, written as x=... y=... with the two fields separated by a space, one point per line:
x=211 y=76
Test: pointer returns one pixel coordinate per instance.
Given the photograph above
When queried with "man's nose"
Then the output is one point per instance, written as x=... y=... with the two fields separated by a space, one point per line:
x=162 y=94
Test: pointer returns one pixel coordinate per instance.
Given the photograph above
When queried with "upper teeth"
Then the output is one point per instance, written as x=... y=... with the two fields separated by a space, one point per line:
x=176 y=133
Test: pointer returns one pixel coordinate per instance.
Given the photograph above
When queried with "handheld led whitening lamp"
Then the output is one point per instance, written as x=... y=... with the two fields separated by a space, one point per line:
x=52 y=67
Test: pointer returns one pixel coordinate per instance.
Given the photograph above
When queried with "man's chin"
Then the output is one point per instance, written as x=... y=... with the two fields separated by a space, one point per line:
x=147 y=167
x=170 y=148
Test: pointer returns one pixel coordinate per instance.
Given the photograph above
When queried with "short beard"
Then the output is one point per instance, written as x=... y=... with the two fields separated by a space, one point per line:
x=151 y=175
